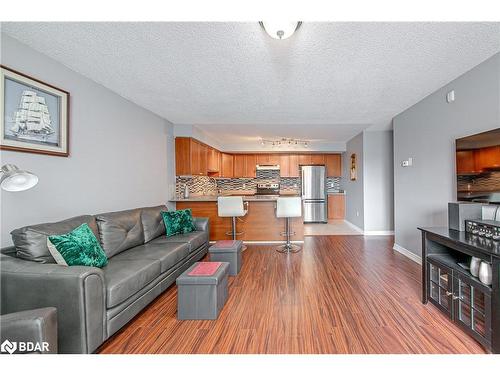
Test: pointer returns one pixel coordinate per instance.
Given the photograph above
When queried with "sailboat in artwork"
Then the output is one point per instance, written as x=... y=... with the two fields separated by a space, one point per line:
x=32 y=119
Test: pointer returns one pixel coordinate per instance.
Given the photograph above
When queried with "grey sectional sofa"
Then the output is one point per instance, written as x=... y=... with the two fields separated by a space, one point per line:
x=92 y=303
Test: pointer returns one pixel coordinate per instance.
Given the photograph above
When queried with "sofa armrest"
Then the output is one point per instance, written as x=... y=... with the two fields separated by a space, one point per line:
x=77 y=292
x=201 y=223
x=38 y=327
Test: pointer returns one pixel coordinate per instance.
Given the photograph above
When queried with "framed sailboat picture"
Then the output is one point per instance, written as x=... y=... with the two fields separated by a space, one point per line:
x=35 y=115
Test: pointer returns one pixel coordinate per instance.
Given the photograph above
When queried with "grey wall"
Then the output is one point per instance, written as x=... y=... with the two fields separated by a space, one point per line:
x=354 y=189
x=427 y=132
x=121 y=155
x=378 y=181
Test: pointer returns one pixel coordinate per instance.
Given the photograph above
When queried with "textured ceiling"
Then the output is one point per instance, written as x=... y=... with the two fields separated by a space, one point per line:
x=339 y=77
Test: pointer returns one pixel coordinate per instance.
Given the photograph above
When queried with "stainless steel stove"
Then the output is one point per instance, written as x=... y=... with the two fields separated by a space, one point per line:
x=268 y=188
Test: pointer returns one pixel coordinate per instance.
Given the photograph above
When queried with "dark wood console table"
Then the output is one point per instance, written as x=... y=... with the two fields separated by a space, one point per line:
x=473 y=306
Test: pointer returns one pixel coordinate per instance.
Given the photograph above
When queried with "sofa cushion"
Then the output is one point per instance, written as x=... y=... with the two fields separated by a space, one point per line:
x=169 y=254
x=152 y=222
x=177 y=222
x=124 y=278
x=31 y=241
x=193 y=239
x=79 y=247
x=119 y=231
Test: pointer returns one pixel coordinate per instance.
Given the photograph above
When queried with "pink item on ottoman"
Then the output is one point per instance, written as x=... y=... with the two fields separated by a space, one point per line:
x=205 y=269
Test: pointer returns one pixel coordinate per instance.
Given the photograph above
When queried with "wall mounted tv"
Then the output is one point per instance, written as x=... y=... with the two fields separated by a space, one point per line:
x=478 y=167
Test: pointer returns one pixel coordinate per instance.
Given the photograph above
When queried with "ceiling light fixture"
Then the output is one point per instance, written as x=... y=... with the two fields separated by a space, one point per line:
x=280 y=30
x=284 y=142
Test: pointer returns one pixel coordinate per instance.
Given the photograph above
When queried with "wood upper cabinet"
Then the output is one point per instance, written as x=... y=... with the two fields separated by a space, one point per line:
x=333 y=165
x=182 y=156
x=190 y=157
x=213 y=161
x=227 y=165
x=239 y=165
x=487 y=157
x=267 y=159
x=336 y=206
x=293 y=165
x=466 y=162
x=250 y=165
x=284 y=164
x=244 y=165
x=304 y=159
x=318 y=159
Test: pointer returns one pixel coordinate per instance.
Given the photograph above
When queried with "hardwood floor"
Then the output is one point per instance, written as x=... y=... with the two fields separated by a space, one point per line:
x=340 y=294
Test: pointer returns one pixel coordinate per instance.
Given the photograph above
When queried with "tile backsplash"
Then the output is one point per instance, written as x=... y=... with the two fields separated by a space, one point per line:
x=203 y=185
x=486 y=182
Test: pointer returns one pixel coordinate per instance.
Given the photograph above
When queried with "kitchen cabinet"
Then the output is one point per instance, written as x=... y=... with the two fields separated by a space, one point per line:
x=239 y=165
x=267 y=159
x=244 y=165
x=284 y=163
x=190 y=157
x=250 y=165
x=333 y=165
x=318 y=159
x=487 y=157
x=336 y=206
x=227 y=165
x=213 y=161
x=293 y=165
x=466 y=162
x=304 y=159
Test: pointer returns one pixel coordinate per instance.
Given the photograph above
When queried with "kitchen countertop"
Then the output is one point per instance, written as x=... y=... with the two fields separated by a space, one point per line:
x=246 y=198
x=336 y=193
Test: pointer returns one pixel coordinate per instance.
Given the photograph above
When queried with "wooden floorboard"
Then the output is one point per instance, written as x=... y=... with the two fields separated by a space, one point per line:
x=340 y=294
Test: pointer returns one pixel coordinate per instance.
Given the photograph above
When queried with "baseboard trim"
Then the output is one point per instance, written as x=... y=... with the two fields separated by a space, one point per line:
x=407 y=253
x=370 y=232
x=379 y=233
x=355 y=227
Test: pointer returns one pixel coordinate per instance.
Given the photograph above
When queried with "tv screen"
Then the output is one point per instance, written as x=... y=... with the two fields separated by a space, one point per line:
x=478 y=167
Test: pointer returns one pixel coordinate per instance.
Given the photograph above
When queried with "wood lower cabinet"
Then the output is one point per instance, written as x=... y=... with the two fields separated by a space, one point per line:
x=227 y=165
x=260 y=224
x=333 y=165
x=336 y=206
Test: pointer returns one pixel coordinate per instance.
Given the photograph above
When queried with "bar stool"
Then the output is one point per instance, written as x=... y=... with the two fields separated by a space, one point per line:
x=288 y=207
x=232 y=207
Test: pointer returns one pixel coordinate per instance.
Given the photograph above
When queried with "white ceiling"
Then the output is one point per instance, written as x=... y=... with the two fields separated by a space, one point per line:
x=327 y=82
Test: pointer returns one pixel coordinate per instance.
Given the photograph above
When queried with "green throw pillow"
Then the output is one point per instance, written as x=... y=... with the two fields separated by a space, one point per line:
x=77 y=248
x=178 y=222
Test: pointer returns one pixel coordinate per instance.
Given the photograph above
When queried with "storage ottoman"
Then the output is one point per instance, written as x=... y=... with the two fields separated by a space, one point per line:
x=228 y=251
x=202 y=291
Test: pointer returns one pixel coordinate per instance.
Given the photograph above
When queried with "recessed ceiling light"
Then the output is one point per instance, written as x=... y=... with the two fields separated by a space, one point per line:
x=280 y=30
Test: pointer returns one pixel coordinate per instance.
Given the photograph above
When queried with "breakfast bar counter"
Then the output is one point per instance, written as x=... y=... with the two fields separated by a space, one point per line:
x=259 y=224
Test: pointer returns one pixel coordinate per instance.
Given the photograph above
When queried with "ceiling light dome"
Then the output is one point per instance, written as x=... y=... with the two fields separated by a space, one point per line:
x=280 y=30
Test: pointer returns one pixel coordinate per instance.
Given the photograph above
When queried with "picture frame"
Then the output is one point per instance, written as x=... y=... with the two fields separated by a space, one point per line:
x=34 y=115
x=353 y=169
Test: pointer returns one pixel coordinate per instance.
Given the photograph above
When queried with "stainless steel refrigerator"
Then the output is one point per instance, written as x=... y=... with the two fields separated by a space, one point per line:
x=314 y=198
